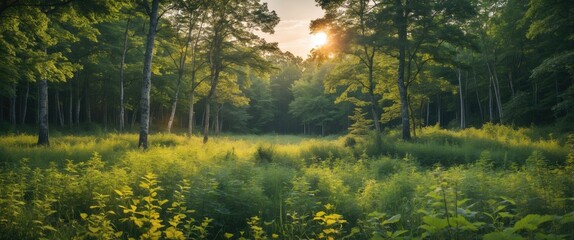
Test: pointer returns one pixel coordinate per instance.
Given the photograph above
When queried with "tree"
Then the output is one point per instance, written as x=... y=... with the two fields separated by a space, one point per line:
x=311 y=104
x=184 y=22
x=413 y=32
x=152 y=12
x=231 y=43
x=353 y=27
x=40 y=33
x=360 y=125
x=261 y=105
x=290 y=70
x=551 y=24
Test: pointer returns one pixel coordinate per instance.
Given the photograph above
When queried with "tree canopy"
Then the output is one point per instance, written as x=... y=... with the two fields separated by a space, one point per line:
x=406 y=64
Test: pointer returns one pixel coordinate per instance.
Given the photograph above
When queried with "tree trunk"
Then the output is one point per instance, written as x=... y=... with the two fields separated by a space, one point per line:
x=13 y=108
x=194 y=85
x=511 y=82
x=146 y=85
x=221 y=124
x=78 y=105
x=59 y=107
x=216 y=120
x=181 y=70
x=191 y=121
x=462 y=114
x=173 y=106
x=428 y=113
x=401 y=24
x=375 y=111
x=214 y=81
x=478 y=97
x=174 y=101
x=490 y=111
x=496 y=88
x=413 y=117
x=421 y=112
x=43 y=137
x=206 y=122
x=122 y=63
x=25 y=105
x=374 y=103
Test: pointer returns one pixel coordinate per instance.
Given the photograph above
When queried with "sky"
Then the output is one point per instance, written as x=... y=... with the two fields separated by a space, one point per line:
x=292 y=33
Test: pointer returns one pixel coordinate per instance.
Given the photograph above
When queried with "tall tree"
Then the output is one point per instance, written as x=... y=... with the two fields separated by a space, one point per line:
x=311 y=105
x=188 y=25
x=151 y=10
x=353 y=27
x=43 y=31
x=232 y=41
x=290 y=70
x=552 y=27
x=413 y=32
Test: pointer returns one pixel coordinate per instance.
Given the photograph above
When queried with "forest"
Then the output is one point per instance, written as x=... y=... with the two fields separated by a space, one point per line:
x=176 y=119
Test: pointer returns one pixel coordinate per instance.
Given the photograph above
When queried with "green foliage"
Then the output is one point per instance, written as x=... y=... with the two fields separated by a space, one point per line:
x=264 y=154
x=100 y=225
x=360 y=125
x=179 y=191
x=447 y=214
x=331 y=223
x=144 y=213
x=380 y=227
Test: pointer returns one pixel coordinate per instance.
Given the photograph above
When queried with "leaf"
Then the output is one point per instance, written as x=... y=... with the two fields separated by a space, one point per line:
x=173 y=223
x=568 y=218
x=228 y=235
x=543 y=236
x=434 y=224
x=329 y=231
x=173 y=233
x=500 y=207
x=531 y=222
x=463 y=223
x=93 y=229
x=138 y=222
x=393 y=219
x=83 y=215
x=505 y=215
x=330 y=222
x=119 y=193
x=508 y=200
x=398 y=233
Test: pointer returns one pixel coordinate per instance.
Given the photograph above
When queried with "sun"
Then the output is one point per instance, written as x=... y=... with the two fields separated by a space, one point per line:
x=319 y=39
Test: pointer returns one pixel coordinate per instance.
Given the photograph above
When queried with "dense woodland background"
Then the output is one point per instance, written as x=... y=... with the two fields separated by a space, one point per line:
x=460 y=64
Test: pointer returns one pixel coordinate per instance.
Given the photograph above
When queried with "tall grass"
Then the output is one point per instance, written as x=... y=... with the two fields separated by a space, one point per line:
x=446 y=147
x=251 y=185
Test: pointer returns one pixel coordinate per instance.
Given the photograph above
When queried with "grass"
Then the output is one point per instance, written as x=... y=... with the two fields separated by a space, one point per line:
x=285 y=186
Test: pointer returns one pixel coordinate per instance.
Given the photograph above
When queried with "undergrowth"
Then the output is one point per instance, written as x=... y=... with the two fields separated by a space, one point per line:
x=493 y=183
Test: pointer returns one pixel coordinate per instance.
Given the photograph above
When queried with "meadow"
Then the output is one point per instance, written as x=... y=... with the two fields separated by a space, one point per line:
x=496 y=182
